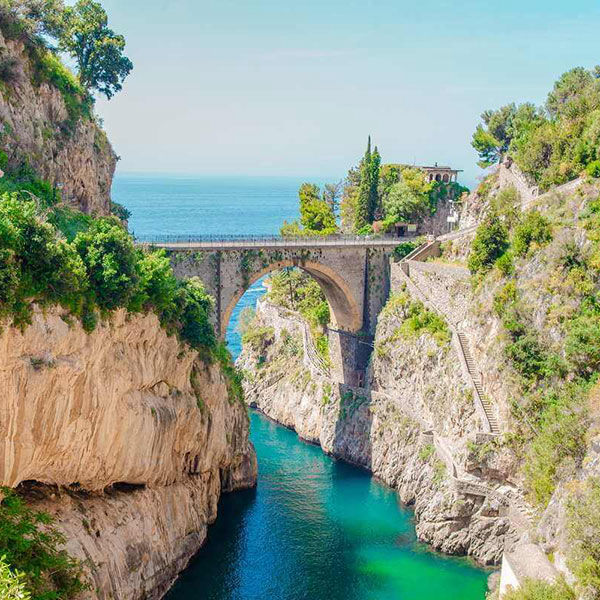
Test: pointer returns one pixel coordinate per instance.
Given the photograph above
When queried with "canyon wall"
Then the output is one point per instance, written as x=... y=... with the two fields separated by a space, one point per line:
x=451 y=416
x=40 y=125
x=126 y=437
x=415 y=419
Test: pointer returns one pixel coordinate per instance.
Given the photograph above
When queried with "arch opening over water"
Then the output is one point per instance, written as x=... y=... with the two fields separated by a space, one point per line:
x=344 y=309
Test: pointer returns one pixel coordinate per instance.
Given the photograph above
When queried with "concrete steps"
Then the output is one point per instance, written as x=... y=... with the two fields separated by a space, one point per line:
x=476 y=378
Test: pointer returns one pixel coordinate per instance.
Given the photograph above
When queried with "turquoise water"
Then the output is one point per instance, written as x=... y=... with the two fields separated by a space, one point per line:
x=315 y=528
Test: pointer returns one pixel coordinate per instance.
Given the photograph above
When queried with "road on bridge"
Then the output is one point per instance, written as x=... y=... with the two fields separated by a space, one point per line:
x=177 y=242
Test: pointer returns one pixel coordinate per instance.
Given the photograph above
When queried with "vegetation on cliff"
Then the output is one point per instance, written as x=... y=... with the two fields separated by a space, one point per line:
x=542 y=268
x=415 y=320
x=33 y=562
x=553 y=143
x=82 y=32
x=98 y=271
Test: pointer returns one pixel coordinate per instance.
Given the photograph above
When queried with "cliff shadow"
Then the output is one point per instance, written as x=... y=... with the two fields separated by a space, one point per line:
x=353 y=428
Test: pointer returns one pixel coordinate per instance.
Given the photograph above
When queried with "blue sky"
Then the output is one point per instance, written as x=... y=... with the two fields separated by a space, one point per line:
x=294 y=88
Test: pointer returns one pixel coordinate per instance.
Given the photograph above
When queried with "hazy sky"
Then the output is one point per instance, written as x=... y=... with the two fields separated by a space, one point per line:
x=294 y=88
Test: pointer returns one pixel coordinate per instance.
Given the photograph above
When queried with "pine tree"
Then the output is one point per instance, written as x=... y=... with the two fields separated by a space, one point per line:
x=362 y=214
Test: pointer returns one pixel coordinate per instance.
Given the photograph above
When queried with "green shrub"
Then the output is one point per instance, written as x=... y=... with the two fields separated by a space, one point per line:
x=505 y=264
x=69 y=221
x=527 y=356
x=491 y=242
x=534 y=589
x=37 y=265
x=32 y=546
x=296 y=290
x=506 y=204
x=23 y=181
x=582 y=345
x=12 y=585
x=49 y=69
x=156 y=284
x=421 y=320
x=593 y=169
x=193 y=307
x=119 y=211
x=505 y=298
x=560 y=418
x=583 y=510
x=109 y=256
x=534 y=228
x=257 y=337
x=426 y=452
x=404 y=249
x=233 y=376
x=322 y=345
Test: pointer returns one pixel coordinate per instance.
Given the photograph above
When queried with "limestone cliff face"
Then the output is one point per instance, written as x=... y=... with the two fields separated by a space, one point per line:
x=35 y=126
x=138 y=434
x=418 y=411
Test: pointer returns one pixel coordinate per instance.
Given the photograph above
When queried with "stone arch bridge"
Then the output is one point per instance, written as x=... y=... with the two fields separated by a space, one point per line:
x=353 y=273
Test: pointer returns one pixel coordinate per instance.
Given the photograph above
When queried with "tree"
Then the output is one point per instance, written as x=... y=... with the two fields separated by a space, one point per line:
x=308 y=192
x=388 y=176
x=490 y=243
x=576 y=92
x=374 y=168
x=492 y=139
x=349 y=199
x=405 y=204
x=363 y=200
x=331 y=195
x=84 y=34
x=409 y=199
x=317 y=217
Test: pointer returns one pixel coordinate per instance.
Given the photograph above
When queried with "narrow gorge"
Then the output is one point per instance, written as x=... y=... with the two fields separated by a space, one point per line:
x=436 y=418
x=249 y=388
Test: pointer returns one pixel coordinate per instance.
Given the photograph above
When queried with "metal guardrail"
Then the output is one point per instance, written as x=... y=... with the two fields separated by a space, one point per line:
x=269 y=240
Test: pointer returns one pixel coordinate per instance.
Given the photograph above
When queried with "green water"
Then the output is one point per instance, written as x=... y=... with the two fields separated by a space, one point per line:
x=318 y=529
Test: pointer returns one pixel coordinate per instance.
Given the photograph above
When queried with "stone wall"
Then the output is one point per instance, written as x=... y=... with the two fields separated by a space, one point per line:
x=447 y=287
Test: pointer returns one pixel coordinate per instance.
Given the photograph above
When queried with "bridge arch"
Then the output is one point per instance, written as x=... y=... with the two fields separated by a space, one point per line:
x=344 y=307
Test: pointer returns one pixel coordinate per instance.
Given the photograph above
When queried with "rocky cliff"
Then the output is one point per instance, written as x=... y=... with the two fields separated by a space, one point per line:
x=46 y=123
x=489 y=426
x=126 y=437
x=417 y=412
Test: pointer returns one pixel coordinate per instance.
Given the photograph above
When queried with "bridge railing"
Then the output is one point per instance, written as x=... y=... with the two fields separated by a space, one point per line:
x=261 y=240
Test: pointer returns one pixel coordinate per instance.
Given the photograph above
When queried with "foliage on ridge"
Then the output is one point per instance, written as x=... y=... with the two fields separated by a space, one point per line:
x=553 y=143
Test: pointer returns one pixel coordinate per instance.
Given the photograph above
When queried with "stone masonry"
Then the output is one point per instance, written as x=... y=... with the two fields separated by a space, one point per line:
x=354 y=278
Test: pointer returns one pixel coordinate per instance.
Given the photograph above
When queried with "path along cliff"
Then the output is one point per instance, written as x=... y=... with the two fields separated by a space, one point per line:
x=447 y=416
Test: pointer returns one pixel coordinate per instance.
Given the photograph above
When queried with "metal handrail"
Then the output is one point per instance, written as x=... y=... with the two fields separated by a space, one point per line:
x=254 y=239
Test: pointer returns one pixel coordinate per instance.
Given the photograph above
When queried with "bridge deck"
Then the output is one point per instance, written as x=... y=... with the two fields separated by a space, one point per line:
x=237 y=242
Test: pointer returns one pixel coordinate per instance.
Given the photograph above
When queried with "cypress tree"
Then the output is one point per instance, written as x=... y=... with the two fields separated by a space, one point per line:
x=373 y=184
x=362 y=214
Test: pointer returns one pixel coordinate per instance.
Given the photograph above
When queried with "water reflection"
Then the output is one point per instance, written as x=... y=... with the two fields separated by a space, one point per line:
x=316 y=529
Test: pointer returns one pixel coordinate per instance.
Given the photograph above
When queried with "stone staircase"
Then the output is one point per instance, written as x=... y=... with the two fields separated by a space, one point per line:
x=476 y=378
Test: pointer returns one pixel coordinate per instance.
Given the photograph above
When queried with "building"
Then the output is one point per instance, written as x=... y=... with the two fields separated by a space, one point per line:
x=440 y=173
